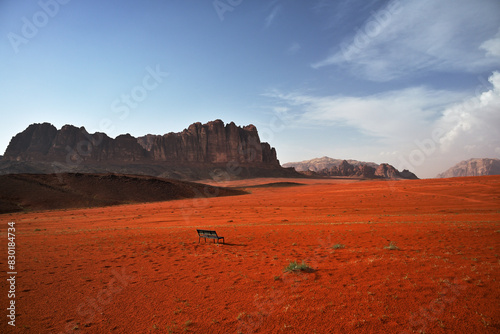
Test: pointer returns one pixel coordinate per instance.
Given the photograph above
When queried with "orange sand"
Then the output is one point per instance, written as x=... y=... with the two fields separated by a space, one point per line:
x=140 y=269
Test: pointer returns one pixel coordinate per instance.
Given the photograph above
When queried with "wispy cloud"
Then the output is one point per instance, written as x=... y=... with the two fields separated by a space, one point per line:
x=274 y=12
x=396 y=121
x=389 y=117
x=406 y=37
x=492 y=46
x=293 y=49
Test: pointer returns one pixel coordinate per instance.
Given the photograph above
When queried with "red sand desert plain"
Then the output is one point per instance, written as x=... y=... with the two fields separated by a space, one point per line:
x=386 y=257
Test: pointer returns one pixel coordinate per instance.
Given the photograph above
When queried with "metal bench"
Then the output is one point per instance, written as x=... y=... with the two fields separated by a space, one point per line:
x=207 y=234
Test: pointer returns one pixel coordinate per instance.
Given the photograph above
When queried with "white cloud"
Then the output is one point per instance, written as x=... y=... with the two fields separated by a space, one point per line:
x=492 y=46
x=410 y=36
x=424 y=130
x=473 y=125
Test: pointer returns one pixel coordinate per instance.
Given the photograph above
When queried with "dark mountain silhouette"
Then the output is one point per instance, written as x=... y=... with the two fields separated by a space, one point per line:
x=202 y=151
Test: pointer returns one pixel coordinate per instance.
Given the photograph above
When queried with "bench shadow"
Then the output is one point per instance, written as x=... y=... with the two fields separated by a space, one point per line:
x=223 y=244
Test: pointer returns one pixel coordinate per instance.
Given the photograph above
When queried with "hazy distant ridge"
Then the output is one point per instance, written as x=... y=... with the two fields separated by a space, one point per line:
x=326 y=166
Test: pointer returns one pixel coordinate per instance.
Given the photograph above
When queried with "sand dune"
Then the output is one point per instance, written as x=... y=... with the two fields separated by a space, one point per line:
x=21 y=192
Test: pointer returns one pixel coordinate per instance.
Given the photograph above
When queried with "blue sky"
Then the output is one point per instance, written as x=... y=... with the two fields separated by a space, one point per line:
x=413 y=83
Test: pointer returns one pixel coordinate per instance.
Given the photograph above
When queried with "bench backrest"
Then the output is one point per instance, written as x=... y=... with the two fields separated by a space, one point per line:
x=206 y=232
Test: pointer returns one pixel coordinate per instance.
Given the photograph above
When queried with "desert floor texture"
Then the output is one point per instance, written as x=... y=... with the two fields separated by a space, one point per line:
x=386 y=257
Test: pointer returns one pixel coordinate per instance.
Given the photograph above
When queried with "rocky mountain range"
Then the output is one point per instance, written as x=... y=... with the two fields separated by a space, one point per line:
x=211 y=150
x=326 y=166
x=473 y=167
x=319 y=164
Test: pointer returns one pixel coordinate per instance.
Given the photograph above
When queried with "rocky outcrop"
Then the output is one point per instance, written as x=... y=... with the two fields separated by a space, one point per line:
x=31 y=144
x=347 y=169
x=213 y=143
x=351 y=168
x=365 y=171
x=319 y=164
x=386 y=171
x=195 y=150
x=72 y=145
x=406 y=174
x=473 y=167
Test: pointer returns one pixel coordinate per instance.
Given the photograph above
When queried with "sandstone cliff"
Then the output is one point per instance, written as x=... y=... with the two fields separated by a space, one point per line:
x=213 y=142
x=72 y=145
x=190 y=154
x=473 y=167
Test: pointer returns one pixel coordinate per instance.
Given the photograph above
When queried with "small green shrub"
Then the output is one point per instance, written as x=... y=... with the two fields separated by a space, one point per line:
x=392 y=246
x=294 y=266
x=338 y=246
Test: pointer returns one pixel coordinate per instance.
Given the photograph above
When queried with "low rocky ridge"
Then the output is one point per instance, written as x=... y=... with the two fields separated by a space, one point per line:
x=199 y=152
x=473 y=167
x=349 y=168
x=25 y=192
x=319 y=164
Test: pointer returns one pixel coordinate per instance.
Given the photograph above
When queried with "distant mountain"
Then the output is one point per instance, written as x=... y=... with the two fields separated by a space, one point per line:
x=326 y=166
x=320 y=164
x=202 y=151
x=473 y=167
